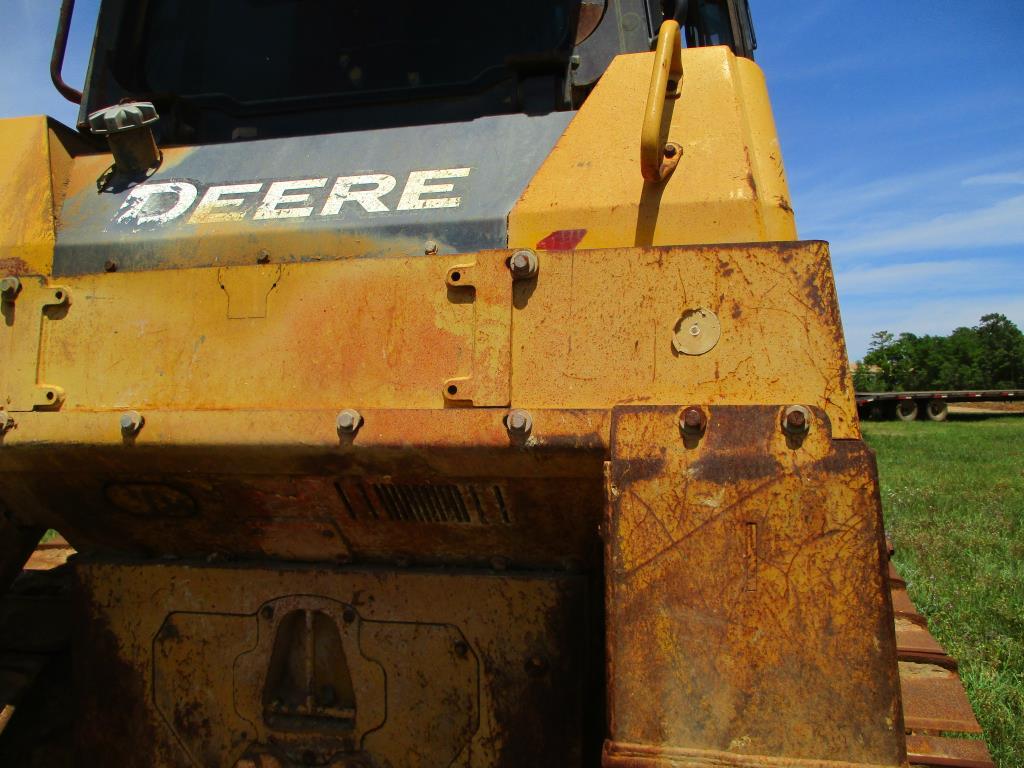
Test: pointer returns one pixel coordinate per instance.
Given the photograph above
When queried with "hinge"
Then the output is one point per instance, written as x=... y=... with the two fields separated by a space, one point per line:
x=27 y=306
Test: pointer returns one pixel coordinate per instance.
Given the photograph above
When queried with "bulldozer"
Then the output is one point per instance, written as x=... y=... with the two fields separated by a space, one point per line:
x=417 y=385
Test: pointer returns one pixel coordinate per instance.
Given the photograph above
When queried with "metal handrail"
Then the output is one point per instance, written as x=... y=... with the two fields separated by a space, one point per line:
x=60 y=47
x=666 y=83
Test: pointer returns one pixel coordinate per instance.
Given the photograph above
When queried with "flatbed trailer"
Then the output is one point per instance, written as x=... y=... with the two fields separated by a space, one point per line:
x=932 y=405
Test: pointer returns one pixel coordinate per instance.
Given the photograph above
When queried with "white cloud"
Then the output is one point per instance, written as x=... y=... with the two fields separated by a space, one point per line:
x=990 y=179
x=900 y=278
x=999 y=224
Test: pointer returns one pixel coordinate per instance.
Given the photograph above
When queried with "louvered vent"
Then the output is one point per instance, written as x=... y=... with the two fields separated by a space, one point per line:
x=447 y=503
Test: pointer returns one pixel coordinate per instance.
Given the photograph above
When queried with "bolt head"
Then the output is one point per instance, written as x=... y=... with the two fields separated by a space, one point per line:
x=693 y=421
x=519 y=422
x=349 y=421
x=796 y=420
x=430 y=248
x=131 y=422
x=523 y=264
x=10 y=287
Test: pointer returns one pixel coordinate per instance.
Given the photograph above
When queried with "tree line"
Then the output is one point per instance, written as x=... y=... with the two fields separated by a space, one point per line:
x=988 y=356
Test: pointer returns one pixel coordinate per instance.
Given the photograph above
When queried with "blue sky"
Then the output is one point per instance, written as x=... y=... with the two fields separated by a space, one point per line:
x=902 y=126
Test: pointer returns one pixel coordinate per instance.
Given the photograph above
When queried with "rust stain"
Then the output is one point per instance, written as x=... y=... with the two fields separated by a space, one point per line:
x=14 y=266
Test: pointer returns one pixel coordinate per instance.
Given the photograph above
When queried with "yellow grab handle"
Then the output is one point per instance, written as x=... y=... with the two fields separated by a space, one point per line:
x=666 y=83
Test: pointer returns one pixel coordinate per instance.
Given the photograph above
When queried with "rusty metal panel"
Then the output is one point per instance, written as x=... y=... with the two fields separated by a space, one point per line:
x=948 y=752
x=748 y=610
x=319 y=666
x=464 y=492
x=934 y=699
x=374 y=332
x=598 y=328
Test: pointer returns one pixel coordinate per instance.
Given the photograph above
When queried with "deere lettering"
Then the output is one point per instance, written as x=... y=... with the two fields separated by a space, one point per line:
x=167 y=201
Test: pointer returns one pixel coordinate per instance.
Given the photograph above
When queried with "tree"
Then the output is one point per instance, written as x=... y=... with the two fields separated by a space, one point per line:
x=1003 y=345
x=987 y=356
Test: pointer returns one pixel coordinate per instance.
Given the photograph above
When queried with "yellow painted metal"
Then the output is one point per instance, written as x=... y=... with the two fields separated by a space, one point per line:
x=490 y=281
x=666 y=83
x=34 y=165
x=370 y=332
x=396 y=333
x=729 y=185
x=27 y=320
x=780 y=332
x=444 y=666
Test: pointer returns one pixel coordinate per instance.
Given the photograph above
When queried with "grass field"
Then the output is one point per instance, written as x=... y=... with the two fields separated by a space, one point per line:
x=953 y=498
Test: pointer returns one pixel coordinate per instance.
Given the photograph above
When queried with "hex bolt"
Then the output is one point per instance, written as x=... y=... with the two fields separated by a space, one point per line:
x=519 y=422
x=693 y=420
x=10 y=287
x=523 y=265
x=6 y=422
x=796 y=420
x=430 y=248
x=349 y=421
x=131 y=422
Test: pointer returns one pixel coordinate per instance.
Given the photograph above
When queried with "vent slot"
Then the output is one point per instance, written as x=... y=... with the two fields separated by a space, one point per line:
x=384 y=500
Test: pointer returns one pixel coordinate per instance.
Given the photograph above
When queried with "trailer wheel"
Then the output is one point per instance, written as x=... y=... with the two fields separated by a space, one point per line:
x=936 y=410
x=906 y=410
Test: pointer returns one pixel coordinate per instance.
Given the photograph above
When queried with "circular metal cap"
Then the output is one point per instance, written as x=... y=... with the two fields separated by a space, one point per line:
x=697 y=332
x=122 y=117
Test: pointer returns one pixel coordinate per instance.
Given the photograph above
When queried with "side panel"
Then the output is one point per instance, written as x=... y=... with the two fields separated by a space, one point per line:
x=386 y=670
x=34 y=165
x=309 y=198
x=729 y=185
x=748 y=616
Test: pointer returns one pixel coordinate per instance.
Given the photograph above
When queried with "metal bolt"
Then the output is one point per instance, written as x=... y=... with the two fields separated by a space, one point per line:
x=796 y=420
x=524 y=264
x=670 y=150
x=430 y=248
x=131 y=422
x=6 y=422
x=110 y=266
x=574 y=61
x=693 y=421
x=349 y=421
x=10 y=287
x=263 y=257
x=519 y=422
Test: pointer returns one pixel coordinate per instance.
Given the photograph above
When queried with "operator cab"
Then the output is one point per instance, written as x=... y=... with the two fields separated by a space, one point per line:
x=248 y=69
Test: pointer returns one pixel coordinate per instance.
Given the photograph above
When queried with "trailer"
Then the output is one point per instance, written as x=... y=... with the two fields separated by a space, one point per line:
x=932 y=405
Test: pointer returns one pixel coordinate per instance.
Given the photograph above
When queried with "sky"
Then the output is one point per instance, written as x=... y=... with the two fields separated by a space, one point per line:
x=902 y=129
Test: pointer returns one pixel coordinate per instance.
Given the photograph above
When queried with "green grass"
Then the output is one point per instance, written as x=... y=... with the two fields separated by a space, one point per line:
x=953 y=500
